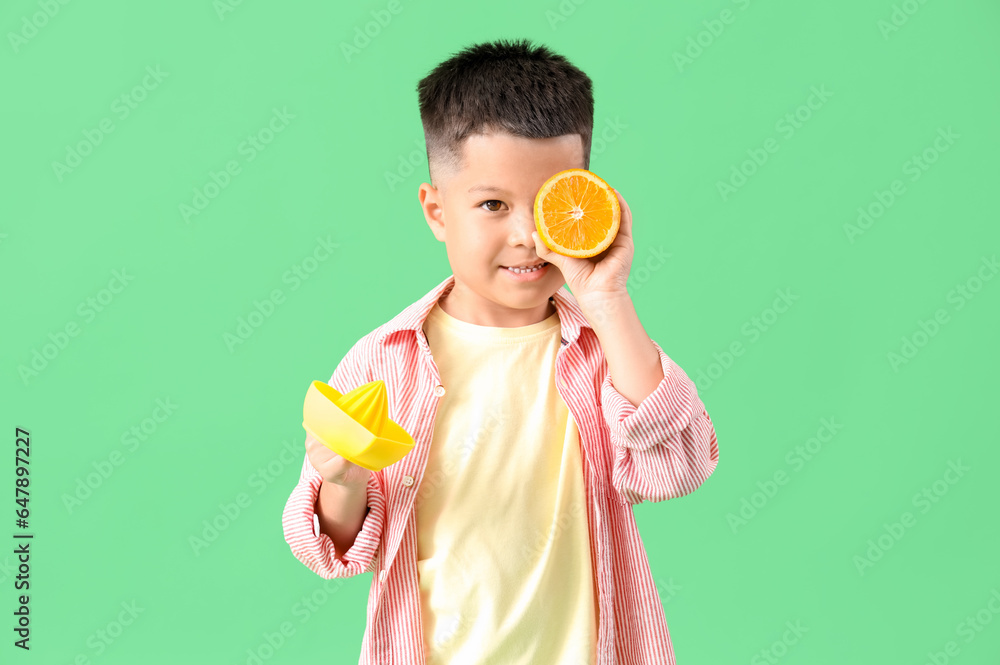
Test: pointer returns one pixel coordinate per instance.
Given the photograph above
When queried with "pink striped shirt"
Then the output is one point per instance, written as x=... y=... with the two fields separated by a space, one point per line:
x=662 y=449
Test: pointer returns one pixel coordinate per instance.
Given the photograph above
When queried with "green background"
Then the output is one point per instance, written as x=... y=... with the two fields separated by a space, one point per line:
x=338 y=169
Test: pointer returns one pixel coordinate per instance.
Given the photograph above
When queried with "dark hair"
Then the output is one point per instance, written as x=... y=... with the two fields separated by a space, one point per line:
x=507 y=86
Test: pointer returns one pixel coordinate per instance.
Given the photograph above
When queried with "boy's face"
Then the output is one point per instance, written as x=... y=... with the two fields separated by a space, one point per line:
x=487 y=230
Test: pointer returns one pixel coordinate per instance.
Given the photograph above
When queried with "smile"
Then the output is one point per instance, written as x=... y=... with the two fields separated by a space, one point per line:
x=518 y=271
x=533 y=274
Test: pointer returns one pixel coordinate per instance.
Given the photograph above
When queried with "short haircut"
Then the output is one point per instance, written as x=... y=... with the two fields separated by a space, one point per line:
x=508 y=86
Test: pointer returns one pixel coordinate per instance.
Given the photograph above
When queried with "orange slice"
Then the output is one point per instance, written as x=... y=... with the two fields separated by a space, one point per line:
x=577 y=213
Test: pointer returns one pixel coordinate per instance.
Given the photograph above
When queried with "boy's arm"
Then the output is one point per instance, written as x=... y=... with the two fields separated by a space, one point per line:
x=664 y=442
x=316 y=549
x=666 y=446
x=299 y=519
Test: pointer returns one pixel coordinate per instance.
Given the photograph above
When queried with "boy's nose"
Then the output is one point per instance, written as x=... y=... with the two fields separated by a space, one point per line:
x=523 y=226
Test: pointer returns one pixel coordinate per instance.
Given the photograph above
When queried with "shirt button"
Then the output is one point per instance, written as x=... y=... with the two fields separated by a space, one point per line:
x=439 y=390
x=381 y=576
x=407 y=480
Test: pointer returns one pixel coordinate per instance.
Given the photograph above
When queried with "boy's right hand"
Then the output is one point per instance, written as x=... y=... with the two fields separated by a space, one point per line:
x=333 y=468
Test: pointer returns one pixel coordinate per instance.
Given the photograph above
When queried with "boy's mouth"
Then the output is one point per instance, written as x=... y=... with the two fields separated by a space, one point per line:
x=530 y=267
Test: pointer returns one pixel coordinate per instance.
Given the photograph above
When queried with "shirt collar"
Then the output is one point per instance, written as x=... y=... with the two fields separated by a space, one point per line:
x=571 y=318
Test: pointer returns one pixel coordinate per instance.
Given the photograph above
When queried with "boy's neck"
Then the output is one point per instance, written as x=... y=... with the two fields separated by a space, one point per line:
x=496 y=316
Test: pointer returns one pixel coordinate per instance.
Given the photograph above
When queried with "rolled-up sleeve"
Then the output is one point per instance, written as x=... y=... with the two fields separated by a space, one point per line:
x=666 y=446
x=309 y=545
x=314 y=548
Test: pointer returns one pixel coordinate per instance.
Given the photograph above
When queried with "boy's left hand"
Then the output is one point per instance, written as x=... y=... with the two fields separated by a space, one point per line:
x=601 y=276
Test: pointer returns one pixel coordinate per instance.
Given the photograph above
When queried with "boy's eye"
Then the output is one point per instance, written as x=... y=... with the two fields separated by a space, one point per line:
x=486 y=203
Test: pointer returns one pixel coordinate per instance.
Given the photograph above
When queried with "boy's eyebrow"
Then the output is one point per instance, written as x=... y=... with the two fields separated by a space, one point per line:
x=487 y=188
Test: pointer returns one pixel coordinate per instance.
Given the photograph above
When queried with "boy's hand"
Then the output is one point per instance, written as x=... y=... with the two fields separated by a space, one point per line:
x=334 y=468
x=597 y=277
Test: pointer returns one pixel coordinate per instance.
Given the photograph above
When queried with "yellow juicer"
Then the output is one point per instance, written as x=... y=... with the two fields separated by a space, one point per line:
x=355 y=425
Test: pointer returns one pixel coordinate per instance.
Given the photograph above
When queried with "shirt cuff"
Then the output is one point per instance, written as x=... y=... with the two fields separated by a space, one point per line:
x=659 y=416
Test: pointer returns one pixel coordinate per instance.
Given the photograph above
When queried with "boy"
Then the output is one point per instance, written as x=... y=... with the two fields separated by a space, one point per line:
x=539 y=416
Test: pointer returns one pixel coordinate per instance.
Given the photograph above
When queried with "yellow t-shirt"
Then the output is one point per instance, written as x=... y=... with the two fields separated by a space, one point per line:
x=503 y=551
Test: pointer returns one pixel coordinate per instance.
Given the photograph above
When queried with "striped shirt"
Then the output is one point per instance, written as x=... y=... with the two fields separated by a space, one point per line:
x=662 y=449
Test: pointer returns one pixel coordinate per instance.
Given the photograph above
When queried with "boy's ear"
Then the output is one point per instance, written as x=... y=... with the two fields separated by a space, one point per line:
x=433 y=207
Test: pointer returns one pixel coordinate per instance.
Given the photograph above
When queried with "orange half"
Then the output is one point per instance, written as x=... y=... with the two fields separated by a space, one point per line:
x=577 y=213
